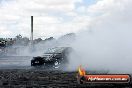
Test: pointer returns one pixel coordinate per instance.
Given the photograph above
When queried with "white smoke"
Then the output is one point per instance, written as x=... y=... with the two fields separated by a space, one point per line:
x=107 y=44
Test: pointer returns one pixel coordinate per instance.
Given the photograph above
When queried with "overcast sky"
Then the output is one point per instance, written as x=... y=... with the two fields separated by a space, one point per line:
x=58 y=17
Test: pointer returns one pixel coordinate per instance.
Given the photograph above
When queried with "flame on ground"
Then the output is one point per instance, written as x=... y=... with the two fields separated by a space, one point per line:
x=81 y=71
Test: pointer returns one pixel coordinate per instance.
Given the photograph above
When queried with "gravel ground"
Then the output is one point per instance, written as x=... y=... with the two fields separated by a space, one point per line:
x=22 y=78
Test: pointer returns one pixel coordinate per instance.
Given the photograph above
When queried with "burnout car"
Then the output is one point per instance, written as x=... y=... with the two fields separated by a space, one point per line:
x=54 y=57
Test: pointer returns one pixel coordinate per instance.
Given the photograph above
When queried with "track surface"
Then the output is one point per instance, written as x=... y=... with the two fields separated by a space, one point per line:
x=16 y=72
x=15 y=62
x=45 y=79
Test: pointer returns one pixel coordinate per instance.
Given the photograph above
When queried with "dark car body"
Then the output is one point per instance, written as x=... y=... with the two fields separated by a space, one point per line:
x=53 y=57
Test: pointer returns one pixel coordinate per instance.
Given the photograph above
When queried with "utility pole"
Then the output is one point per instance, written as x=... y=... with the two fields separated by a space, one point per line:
x=31 y=29
x=32 y=46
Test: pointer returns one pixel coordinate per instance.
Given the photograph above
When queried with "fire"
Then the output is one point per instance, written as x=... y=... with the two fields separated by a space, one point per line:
x=81 y=71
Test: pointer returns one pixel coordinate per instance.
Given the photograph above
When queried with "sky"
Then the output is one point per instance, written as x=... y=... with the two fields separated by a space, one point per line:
x=59 y=17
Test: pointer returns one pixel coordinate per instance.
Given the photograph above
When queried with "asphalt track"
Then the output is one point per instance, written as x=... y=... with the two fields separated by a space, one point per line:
x=15 y=62
x=16 y=72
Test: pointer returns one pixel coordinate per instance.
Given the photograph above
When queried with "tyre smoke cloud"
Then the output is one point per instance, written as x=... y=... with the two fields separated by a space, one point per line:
x=106 y=45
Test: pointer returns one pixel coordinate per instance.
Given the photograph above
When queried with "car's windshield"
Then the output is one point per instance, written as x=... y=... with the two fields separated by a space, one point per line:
x=55 y=50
